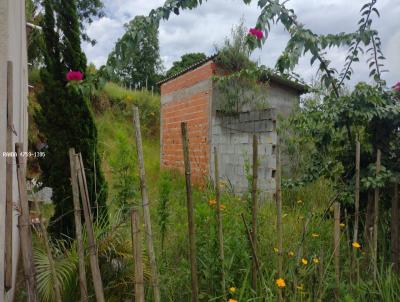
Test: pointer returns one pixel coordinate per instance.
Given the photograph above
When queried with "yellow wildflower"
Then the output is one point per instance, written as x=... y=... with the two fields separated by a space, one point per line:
x=276 y=250
x=342 y=225
x=212 y=202
x=280 y=283
x=315 y=235
x=304 y=261
x=232 y=300
x=315 y=260
x=232 y=290
x=356 y=245
x=291 y=254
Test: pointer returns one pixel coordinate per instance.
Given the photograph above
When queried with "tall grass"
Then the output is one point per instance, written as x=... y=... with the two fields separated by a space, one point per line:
x=307 y=230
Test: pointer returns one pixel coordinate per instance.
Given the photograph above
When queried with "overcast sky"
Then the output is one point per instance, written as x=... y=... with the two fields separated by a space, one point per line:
x=198 y=30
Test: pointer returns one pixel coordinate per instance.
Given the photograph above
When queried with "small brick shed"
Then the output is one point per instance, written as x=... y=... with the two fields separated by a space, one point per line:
x=191 y=96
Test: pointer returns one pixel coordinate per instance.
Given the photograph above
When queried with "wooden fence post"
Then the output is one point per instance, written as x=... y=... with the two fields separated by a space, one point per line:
x=94 y=262
x=137 y=254
x=254 y=209
x=25 y=227
x=146 y=208
x=219 y=221
x=376 y=215
x=395 y=228
x=78 y=225
x=8 y=243
x=191 y=222
x=279 y=226
x=357 y=193
x=336 y=246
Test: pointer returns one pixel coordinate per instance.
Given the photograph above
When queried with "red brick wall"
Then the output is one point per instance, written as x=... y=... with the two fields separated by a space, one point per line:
x=193 y=109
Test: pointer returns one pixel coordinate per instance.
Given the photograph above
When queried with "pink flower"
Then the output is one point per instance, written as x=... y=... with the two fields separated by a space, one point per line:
x=256 y=33
x=397 y=87
x=74 y=75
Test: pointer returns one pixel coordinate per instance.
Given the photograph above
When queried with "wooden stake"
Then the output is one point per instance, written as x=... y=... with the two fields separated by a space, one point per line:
x=137 y=255
x=250 y=238
x=9 y=183
x=395 y=228
x=73 y=160
x=146 y=208
x=46 y=241
x=368 y=226
x=279 y=226
x=219 y=223
x=25 y=227
x=94 y=262
x=254 y=209
x=336 y=246
x=357 y=193
x=376 y=215
x=348 y=245
x=191 y=222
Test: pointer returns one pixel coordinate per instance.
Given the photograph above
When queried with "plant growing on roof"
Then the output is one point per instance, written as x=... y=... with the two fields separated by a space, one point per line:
x=238 y=82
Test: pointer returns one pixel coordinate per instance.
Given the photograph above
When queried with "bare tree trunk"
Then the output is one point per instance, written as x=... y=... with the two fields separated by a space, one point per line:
x=395 y=228
x=9 y=182
x=94 y=262
x=376 y=216
x=73 y=160
x=25 y=227
x=219 y=222
x=191 y=222
x=336 y=238
x=254 y=209
x=279 y=226
x=137 y=254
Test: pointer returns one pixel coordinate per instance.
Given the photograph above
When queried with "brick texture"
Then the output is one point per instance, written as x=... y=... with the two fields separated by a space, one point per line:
x=188 y=79
x=193 y=109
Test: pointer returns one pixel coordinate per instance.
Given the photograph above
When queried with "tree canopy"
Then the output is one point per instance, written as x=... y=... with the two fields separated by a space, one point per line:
x=135 y=60
x=185 y=61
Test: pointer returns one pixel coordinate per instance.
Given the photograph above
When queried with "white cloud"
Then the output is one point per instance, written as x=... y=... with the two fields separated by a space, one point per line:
x=106 y=32
x=198 y=30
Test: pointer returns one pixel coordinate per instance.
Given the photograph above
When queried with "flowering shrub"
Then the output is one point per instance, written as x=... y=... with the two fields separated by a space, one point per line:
x=74 y=75
x=256 y=33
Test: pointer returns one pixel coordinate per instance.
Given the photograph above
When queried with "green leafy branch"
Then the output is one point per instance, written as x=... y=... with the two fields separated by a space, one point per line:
x=303 y=40
x=365 y=35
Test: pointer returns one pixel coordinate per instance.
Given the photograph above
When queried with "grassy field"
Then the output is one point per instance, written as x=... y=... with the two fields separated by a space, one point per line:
x=307 y=221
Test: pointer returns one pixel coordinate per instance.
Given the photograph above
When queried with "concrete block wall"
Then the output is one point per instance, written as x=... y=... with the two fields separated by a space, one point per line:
x=187 y=98
x=233 y=137
x=194 y=98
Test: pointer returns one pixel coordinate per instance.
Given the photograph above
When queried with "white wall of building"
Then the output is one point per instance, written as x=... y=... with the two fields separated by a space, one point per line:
x=12 y=48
